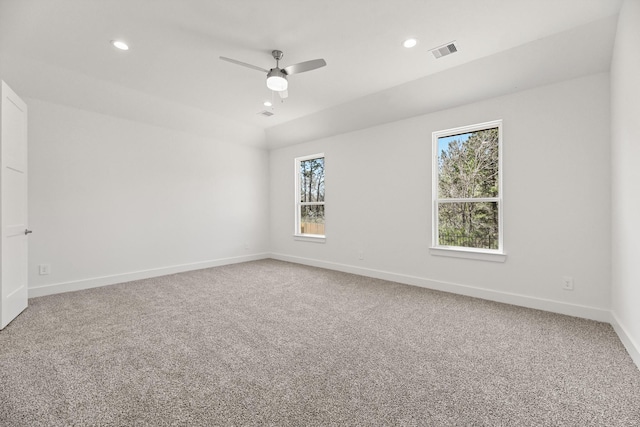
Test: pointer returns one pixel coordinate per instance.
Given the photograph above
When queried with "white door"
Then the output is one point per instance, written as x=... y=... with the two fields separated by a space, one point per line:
x=13 y=205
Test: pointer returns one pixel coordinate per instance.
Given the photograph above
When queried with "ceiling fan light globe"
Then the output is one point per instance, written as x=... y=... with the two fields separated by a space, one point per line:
x=277 y=80
x=277 y=83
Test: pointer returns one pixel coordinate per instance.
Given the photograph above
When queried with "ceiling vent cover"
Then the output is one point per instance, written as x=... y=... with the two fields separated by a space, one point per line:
x=266 y=113
x=445 y=50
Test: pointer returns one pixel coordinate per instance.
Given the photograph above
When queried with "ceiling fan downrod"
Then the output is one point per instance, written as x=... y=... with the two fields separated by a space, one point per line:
x=277 y=55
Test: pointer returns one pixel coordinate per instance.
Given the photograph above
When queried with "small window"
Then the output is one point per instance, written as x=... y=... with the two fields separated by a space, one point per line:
x=467 y=189
x=310 y=196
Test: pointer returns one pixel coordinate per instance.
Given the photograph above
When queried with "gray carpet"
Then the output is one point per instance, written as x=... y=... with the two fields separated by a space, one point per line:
x=273 y=343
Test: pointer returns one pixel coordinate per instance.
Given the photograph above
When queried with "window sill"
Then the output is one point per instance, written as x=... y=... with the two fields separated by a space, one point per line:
x=469 y=254
x=309 y=238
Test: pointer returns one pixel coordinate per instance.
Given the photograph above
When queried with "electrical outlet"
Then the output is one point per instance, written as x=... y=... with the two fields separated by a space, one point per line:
x=246 y=246
x=361 y=254
x=44 y=269
x=567 y=283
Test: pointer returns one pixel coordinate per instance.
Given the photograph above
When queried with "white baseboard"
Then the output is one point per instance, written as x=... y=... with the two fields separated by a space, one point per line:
x=95 y=282
x=593 y=313
x=633 y=348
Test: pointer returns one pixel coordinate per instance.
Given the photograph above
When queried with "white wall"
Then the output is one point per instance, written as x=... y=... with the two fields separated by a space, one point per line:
x=625 y=159
x=112 y=199
x=556 y=213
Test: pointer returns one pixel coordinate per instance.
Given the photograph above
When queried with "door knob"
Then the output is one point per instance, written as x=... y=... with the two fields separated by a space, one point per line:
x=28 y=232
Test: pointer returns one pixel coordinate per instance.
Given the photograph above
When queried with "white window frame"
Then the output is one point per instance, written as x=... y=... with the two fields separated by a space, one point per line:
x=497 y=255
x=317 y=238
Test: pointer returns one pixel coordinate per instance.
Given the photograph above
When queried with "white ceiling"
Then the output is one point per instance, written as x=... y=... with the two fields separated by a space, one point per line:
x=175 y=46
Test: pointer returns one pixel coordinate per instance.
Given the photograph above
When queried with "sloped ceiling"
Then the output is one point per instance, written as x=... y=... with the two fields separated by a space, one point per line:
x=59 y=51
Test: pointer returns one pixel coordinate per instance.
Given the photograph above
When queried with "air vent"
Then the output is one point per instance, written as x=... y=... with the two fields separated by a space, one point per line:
x=266 y=113
x=445 y=50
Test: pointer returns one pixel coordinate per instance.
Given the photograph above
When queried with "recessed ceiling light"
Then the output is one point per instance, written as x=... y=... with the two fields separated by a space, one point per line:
x=119 y=45
x=408 y=43
x=267 y=103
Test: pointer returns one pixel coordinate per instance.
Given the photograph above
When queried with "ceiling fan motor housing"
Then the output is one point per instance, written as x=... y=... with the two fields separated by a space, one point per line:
x=277 y=80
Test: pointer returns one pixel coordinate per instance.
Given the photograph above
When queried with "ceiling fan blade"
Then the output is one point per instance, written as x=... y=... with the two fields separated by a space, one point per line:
x=283 y=94
x=244 y=64
x=304 y=66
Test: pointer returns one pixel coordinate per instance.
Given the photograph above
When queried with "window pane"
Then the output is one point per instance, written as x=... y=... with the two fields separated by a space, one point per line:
x=312 y=219
x=312 y=180
x=468 y=165
x=468 y=224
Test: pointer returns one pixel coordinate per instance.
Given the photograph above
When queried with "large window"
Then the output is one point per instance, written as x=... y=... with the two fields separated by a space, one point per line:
x=467 y=188
x=310 y=196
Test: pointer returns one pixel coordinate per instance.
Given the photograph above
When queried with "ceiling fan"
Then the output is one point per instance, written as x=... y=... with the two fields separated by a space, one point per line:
x=277 y=77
